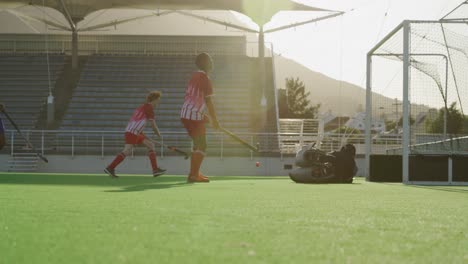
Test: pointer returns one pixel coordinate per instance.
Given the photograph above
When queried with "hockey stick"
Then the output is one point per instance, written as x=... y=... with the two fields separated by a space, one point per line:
x=238 y=139
x=172 y=148
x=24 y=138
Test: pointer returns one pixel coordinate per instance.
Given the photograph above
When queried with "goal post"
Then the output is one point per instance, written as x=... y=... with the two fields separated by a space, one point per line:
x=417 y=88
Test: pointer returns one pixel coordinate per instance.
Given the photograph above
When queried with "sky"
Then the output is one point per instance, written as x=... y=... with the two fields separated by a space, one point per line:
x=338 y=47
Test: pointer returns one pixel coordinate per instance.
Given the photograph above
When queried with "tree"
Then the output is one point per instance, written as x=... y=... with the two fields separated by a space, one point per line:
x=465 y=125
x=455 y=120
x=293 y=101
x=390 y=125
x=282 y=103
x=411 y=121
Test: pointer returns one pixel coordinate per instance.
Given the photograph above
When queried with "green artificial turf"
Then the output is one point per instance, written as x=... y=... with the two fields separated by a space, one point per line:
x=51 y=218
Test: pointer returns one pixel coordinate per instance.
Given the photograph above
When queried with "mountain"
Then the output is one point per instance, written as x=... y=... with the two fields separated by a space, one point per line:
x=341 y=98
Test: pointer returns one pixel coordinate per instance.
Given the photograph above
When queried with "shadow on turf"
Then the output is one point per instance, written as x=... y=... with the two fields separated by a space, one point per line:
x=133 y=183
x=150 y=186
x=83 y=179
x=441 y=188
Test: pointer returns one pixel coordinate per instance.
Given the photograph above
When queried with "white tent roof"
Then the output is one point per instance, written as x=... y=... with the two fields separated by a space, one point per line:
x=260 y=11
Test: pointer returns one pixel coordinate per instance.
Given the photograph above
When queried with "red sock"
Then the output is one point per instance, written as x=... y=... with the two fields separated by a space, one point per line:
x=118 y=159
x=152 y=157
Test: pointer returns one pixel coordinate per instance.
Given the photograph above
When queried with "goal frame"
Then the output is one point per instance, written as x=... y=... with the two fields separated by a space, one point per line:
x=405 y=26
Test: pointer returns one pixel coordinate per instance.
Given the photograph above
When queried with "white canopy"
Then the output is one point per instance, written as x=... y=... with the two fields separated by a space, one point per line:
x=260 y=11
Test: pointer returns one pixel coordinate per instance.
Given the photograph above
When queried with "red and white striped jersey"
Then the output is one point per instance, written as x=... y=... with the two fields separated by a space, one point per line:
x=198 y=88
x=138 y=120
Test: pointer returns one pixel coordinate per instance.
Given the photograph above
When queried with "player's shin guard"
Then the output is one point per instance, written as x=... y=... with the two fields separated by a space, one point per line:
x=152 y=158
x=118 y=159
x=195 y=162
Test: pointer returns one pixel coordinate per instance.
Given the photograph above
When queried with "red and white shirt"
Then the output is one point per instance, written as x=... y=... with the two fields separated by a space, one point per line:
x=198 y=88
x=139 y=118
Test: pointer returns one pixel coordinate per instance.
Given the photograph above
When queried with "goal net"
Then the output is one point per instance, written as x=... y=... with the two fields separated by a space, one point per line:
x=417 y=89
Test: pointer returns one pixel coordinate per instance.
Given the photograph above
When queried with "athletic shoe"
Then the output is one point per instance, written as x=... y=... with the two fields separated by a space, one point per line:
x=202 y=176
x=158 y=172
x=111 y=173
x=198 y=178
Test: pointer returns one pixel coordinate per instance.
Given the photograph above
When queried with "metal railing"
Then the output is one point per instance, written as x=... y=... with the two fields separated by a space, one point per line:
x=132 y=45
x=108 y=143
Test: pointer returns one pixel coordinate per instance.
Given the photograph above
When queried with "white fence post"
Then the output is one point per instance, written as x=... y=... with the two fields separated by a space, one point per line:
x=450 y=170
x=12 y=143
x=102 y=146
x=222 y=147
x=42 y=143
x=251 y=143
x=162 y=147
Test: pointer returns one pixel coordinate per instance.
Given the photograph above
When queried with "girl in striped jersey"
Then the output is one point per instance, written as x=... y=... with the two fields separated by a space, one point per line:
x=134 y=135
x=197 y=106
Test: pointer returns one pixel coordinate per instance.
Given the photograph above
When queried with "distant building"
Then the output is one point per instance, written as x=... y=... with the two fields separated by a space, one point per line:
x=327 y=117
x=335 y=123
x=358 y=122
x=419 y=125
x=332 y=122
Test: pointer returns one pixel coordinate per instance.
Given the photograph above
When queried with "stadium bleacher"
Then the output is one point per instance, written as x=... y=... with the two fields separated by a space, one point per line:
x=103 y=92
x=24 y=85
x=112 y=86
